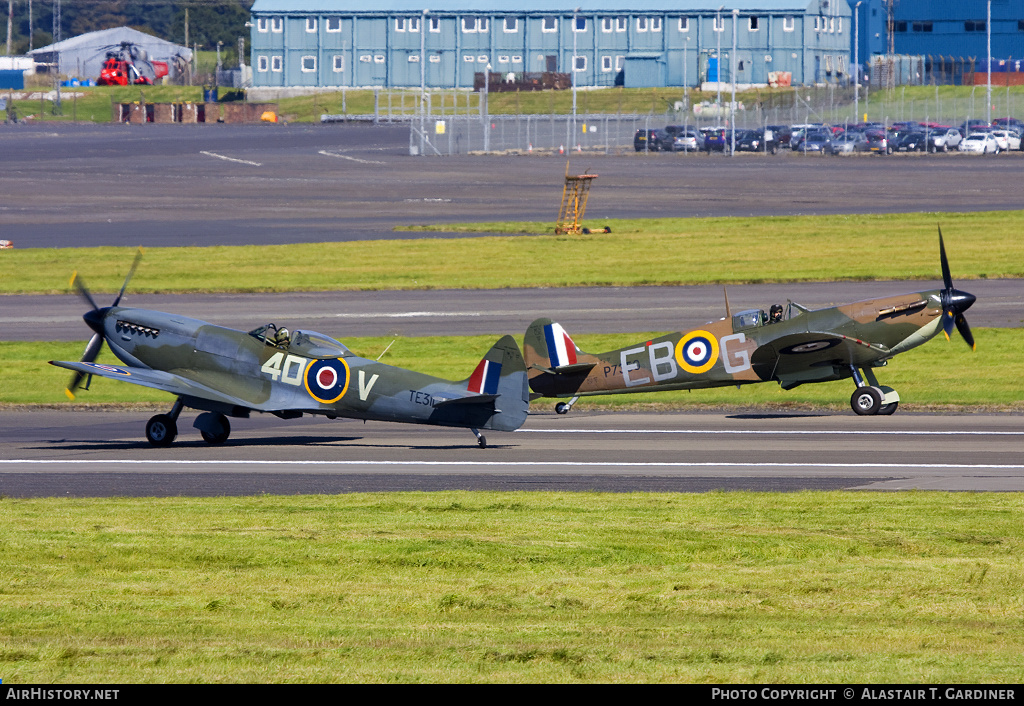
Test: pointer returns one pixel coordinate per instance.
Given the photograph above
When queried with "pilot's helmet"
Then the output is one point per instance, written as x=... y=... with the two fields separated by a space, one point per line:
x=282 y=335
x=776 y=312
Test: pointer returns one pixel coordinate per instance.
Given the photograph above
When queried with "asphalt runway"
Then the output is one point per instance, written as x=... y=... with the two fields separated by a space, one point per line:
x=166 y=185
x=103 y=453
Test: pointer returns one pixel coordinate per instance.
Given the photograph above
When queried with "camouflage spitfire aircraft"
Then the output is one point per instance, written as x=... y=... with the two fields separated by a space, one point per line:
x=228 y=373
x=793 y=347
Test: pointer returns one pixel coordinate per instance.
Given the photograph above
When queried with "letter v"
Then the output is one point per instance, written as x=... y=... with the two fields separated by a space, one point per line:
x=364 y=389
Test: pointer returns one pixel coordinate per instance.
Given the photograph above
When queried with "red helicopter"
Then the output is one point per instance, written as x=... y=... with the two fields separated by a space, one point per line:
x=128 y=63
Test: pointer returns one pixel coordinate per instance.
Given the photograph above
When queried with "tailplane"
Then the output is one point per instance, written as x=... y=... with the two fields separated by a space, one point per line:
x=500 y=377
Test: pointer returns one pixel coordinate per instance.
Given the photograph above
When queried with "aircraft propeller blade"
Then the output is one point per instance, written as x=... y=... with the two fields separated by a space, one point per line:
x=82 y=290
x=92 y=349
x=954 y=302
x=131 y=273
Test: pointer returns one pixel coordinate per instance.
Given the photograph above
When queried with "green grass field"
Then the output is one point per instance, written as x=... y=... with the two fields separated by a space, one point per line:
x=640 y=252
x=514 y=587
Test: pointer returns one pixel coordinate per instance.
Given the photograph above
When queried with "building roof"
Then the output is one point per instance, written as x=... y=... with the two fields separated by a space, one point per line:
x=566 y=7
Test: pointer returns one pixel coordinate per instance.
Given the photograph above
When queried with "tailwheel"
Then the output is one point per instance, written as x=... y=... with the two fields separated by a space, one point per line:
x=161 y=430
x=564 y=407
x=481 y=440
x=867 y=401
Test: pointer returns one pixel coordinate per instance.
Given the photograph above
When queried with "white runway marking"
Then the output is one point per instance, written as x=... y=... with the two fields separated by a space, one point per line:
x=230 y=159
x=506 y=464
x=351 y=159
x=770 y=432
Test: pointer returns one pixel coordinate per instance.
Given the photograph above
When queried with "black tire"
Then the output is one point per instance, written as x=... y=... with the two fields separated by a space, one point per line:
x=888 y=409
x=482 y=442
x=216 y=439
x=866 y=401
x=561 y=408
x=161 y=430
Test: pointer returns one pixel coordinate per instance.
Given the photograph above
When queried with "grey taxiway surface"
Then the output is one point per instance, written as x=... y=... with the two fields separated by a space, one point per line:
x=97 y=185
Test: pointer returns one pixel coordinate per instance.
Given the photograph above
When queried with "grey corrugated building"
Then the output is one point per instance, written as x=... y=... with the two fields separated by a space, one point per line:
x=400 y=43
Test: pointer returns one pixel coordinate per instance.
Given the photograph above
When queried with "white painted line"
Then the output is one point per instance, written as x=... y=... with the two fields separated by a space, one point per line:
x=768 y=432
x=504 y=464
x=351 y=159
x=230 y=159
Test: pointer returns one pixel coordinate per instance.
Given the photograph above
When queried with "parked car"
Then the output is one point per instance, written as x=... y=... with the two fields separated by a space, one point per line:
x=1007 y=139
x=813 y=141
x=878 y=142
x=944 y=139
x=1008 y=123
x=647 y=140
x=848 y=143
x=980 y=143
x=716 y=139
x=681 y=138
x=782 y=134
x=755 y=141
x=913 y=142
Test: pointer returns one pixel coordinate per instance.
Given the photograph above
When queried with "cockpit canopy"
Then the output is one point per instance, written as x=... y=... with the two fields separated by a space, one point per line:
x=309 y=344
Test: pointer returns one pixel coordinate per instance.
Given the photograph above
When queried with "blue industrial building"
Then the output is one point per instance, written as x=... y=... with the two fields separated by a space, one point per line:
x=400 y=43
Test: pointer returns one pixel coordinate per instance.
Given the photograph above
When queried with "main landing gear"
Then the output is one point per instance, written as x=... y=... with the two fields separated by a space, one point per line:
x=564 y=407
x=871 y=398
x=162 y=429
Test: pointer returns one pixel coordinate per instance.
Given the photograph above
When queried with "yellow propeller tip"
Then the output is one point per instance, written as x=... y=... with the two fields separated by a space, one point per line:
x=946 y=335
x=71 y=282
x=70 y=394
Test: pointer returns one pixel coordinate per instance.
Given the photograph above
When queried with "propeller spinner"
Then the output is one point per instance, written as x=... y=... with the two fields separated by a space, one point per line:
x=94 y=318
x=954 y=302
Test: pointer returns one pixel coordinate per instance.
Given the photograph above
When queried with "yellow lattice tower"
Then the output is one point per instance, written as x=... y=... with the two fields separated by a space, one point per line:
x=574 y=202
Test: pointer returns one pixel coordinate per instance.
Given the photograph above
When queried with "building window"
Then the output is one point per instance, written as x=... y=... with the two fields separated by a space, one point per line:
x=378 y=59
x=817 y=23
x=483 y=59
x=902 y=26
x=607 y=24
x=580 y=24
x=414 y=24
x=516 y=59
x=922 y=26
x=276 y=63
x=719 y=24
x=619 y=61
x=365 y=58
x=435 y=58
x=788 y=24
x=399 y=24
x=641 y=24
x=262 y=25
x=752 y=26
x=468 y=59
x=976 y=26
x=684 y=24
x=262 y=64
x=841 y=63
x=549 y=24
x=310 y=24
x=828 y=63
x=333 y=24
x=276 y=24
x=511 y=25
x=503 y=58
x=308 y=64
x=832 y=25
x=469 y=24
x=580 y=63
x=414 y=58
x=620 y=24
x=435 y=24
x=655 y=24
x=839 y=25
x=606 y=63
x=339 y=63
x=1020 y=25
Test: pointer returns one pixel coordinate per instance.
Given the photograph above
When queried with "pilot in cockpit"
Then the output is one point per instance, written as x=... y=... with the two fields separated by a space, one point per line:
x=282 y=338
x=775 y=314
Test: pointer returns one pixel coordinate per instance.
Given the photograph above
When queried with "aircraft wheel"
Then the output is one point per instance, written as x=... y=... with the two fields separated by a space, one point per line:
x=888 y=408
x=222 y=436
x=482 y=442
x=161 y=430
x=866 y=400
x=561 y=408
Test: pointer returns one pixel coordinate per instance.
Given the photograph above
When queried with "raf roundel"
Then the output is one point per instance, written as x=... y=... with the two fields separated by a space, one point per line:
x=697 y=352
x=327 y=380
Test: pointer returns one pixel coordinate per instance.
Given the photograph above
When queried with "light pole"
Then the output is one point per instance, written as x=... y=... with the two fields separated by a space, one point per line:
x=719 y=28
x=732 y=80
x=487 y=109
x=856 y=61
x=988 y=88
x=423 y=78
x=574 y=33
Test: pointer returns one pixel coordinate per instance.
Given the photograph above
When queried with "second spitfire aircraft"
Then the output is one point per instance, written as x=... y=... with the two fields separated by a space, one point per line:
x=228 y=373
x=792 y=348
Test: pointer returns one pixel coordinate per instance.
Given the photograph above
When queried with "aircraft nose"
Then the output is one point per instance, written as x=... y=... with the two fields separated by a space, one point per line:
x=962 y=301
x=95 y=318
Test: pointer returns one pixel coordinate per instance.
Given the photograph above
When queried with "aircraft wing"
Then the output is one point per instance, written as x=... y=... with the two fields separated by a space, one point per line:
x=157 y=379
x=799 y=353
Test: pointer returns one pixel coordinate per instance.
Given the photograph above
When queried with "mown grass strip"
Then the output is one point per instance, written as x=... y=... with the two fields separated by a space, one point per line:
x=735 y=587
x=666 y=251
x=938 y=373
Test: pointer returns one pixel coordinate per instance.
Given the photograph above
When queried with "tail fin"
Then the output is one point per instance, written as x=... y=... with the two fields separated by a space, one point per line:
x=501 y=374
x=550 y=349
